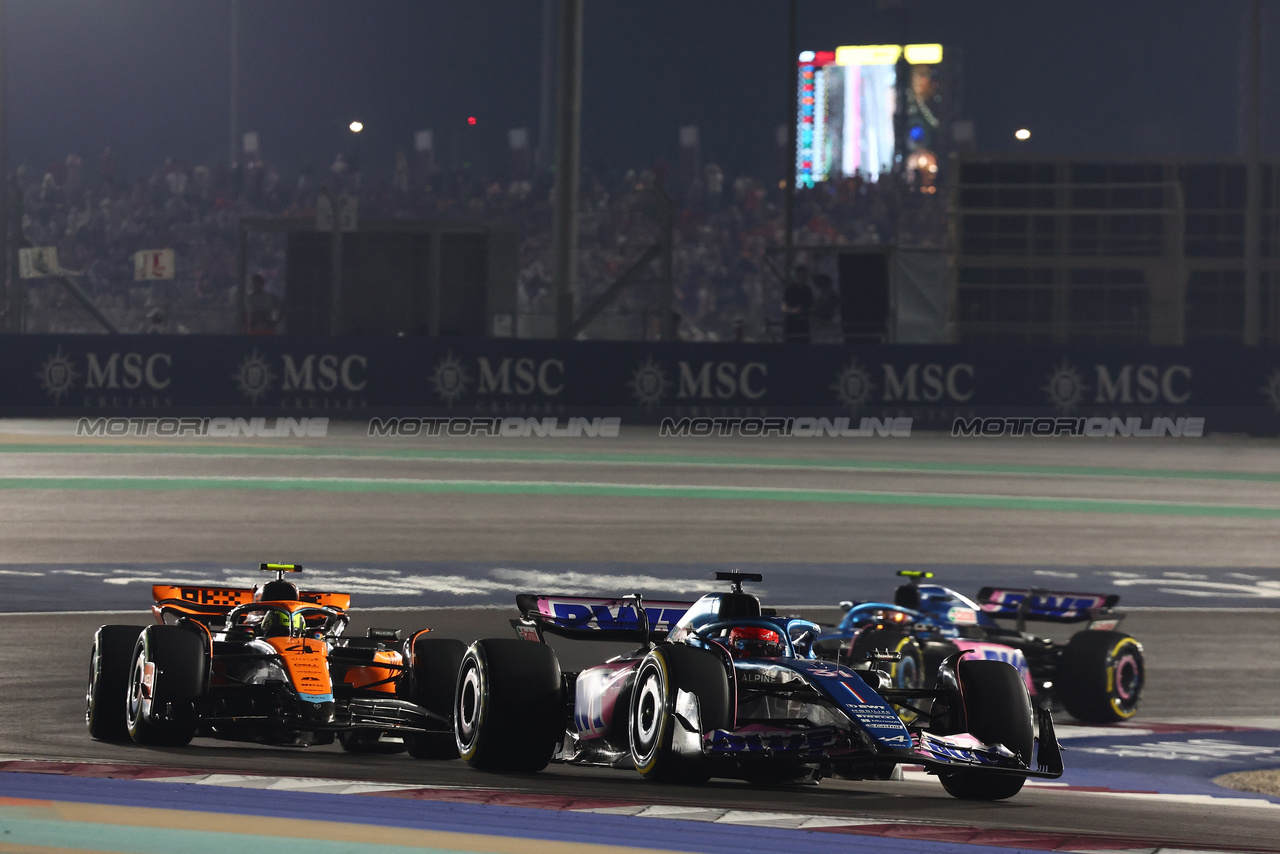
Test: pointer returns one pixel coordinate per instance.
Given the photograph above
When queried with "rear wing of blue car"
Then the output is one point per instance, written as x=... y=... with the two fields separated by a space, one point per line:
x=590 y=618
x=1047 y=605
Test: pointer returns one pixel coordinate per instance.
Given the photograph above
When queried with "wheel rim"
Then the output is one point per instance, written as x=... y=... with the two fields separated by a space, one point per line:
x=907 y=674
x=1126 y=681
x=134 y=709
x=93 y=681
x=467 y=713
x=647 y=715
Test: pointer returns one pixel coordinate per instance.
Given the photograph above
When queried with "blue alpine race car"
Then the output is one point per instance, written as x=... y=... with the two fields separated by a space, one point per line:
x=1096 y=675
x=723 y=687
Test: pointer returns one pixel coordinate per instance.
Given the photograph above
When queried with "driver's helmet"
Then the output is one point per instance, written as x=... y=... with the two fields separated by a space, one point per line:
x=276 y=591
x=278 y=624
x=755 y=642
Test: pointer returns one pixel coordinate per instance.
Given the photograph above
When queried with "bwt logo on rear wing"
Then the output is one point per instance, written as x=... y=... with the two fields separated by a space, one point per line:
x=1045 y=605
x=588 y=618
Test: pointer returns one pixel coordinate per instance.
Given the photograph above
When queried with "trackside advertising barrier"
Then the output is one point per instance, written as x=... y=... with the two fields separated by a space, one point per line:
x=1232 y=389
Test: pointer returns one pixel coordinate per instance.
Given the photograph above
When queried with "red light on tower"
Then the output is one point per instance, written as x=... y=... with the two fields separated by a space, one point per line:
x=471 y=120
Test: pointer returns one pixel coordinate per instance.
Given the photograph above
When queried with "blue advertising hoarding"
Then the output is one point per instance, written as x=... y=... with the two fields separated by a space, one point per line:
x=1234 y=389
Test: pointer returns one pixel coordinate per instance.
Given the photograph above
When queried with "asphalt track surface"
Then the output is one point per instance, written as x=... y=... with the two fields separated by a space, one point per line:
x=1209 y=507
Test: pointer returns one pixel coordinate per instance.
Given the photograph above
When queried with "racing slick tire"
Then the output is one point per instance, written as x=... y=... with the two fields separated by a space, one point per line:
x=1100 y=676
x=109 y=681
x=652 y=720
x=175 y=662
x=908 y=672
x=508 y=707
x=998 y=709
x=936 y=652
x=436 y=662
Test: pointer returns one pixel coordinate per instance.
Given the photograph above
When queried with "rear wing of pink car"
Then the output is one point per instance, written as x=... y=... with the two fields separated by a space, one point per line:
x=591 y=618
x=1047 y=605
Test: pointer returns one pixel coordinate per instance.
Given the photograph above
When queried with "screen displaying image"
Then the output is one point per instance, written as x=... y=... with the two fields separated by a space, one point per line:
x=847 y=101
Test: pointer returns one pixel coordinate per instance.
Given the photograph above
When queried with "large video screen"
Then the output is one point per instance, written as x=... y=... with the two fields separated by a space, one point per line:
x=847 y=101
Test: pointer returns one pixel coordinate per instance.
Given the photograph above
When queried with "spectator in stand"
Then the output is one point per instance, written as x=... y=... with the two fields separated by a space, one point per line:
x=262 y=309
x=723 y=285
x=72 y=183
x=797 y=302
x=826 y=305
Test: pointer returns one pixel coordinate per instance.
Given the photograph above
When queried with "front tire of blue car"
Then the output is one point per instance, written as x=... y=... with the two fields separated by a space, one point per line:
x=998 y=709
x=653 y=720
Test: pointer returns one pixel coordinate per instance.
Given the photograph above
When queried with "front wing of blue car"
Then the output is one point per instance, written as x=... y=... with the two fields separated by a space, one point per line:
x=870 y=729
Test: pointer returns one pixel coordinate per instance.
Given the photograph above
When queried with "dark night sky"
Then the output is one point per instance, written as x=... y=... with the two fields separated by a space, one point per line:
x=150 y=77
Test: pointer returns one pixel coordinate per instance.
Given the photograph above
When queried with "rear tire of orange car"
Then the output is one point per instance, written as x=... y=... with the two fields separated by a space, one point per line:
x=436 y=662
x=181 y=659
x=998 y=709
x=509 y=707
x=109 y=681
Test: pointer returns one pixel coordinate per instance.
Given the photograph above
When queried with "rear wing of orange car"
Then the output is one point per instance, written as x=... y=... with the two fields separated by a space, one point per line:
x=207 y=603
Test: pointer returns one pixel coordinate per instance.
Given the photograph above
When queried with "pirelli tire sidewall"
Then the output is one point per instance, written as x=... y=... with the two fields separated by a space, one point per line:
x=509 y=709
x=471 y=703
x=1101 y=676
x=651 y=721
x=649 y=724
x=998 y=711
x=109 y=662
x=908 y=671
x=169 y=670
x=431 y=683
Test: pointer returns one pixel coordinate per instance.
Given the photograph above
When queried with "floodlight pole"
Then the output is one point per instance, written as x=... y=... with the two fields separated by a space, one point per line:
x=12 y=303
x=568 y=157
x=546 y=88
x=789 y=170
x=234 y=124
x=1253 y=187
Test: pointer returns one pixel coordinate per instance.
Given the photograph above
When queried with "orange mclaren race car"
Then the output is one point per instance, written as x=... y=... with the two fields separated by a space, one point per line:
x=270 y=665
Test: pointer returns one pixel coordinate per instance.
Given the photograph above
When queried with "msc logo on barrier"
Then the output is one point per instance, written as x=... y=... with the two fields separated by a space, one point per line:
x=709 y=380
x=312 y=373
x=1129 y=384
x=508 y=377
x=729 y=380
x=131 y=371
x=649 y=382
x=928 y=382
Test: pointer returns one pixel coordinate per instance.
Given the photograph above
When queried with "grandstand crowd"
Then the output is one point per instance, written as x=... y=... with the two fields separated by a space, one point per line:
x=728 y=284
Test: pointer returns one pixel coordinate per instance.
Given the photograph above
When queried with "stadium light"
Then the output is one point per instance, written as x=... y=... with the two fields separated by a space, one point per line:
x=1022 y=134
x=356 y=127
